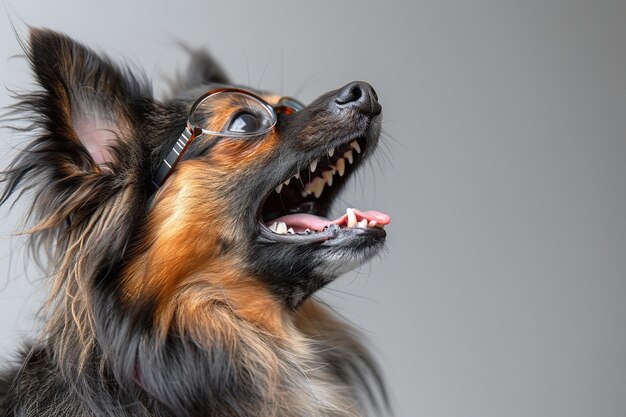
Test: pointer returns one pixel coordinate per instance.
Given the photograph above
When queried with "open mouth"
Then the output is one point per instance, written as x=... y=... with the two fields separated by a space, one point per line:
x=297 y=207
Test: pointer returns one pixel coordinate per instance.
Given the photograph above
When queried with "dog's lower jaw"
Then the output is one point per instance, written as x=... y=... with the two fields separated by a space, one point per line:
x=336 y=265
x=294 y=272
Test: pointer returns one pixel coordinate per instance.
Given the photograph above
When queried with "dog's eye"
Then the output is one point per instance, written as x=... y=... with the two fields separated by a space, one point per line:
x=244 y=123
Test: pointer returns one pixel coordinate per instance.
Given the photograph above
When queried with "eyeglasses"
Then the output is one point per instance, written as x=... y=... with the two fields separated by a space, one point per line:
x=251 y=116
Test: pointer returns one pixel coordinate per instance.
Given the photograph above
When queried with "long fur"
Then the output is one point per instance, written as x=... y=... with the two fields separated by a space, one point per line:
x=141 y=320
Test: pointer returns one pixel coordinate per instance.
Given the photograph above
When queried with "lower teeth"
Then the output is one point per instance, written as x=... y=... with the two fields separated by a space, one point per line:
x=281 y=229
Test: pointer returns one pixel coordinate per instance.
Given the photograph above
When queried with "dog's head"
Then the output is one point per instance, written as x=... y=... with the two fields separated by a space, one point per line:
x=264 y=197
x=244 y=179
x=235 y=200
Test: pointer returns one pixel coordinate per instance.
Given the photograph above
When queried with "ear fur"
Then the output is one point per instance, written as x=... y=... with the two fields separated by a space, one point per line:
x=87 y=99
x=202 y=69
x=87 y=144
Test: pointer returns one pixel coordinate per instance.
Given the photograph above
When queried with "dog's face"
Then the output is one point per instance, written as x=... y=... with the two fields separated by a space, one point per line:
x=265 y=198
x=258 y=204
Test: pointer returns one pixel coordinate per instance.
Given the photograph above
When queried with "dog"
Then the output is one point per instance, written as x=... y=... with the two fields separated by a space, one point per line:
x=185 y=239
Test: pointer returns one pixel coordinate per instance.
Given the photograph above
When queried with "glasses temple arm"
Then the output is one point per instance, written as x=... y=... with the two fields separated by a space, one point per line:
x=172 y=158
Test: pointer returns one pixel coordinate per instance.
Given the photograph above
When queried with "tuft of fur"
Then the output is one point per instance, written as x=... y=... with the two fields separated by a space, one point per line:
x=126 y=333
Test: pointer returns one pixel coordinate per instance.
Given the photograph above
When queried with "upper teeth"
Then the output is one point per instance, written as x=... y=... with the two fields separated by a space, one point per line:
x=316 y=184
x=316 y=187
x=328 y=176
x=348 y=156
x=341 y=166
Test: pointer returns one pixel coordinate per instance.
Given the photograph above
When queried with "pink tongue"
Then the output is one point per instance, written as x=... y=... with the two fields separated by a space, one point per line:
x=304 y=221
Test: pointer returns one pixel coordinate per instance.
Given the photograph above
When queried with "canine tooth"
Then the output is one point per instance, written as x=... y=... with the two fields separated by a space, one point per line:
x=287 y=181
x=281 y=228
x=348 y=156
x=372 y=223
x=313 y=165
x=279 y=188
x=351 y=218
x=328 y=176
x=331 y=151
x=273 y=227
x=356 y=146
x=297 y=176
x=317 y=186
x=362 y=224
x=291 y=231
x=341 y=166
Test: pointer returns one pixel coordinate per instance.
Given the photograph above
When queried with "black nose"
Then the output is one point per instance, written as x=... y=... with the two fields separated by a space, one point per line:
x=358 y=95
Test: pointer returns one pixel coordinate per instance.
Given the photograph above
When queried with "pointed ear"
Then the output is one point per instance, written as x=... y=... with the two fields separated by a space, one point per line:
x=202 y=69
x=86 y=99
x=88 y=151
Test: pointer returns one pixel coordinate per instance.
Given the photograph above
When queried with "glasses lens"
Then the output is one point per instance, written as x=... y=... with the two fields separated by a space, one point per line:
x=288 y=105
x=232 y=114
x=292 y=103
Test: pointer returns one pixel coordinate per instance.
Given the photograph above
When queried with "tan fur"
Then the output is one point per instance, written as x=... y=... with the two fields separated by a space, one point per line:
x=186 y=226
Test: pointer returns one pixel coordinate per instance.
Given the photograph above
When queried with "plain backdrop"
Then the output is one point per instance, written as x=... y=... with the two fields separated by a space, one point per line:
x=503 y=167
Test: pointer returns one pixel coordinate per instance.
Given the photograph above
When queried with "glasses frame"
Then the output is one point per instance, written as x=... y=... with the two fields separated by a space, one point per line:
x=286 y=106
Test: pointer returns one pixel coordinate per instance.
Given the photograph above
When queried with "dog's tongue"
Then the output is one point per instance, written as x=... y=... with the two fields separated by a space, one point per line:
x=303 y=221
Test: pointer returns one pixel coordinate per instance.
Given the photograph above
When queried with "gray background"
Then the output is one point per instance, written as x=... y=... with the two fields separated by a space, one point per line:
x=503 y=292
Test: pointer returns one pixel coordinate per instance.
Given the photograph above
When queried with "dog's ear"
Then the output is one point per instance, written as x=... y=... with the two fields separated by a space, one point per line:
x=202 y=69
x=85 y=100
x=87 y=153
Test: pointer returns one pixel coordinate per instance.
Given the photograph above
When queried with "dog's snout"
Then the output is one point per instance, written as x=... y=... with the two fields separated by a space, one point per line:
x=358 y=95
